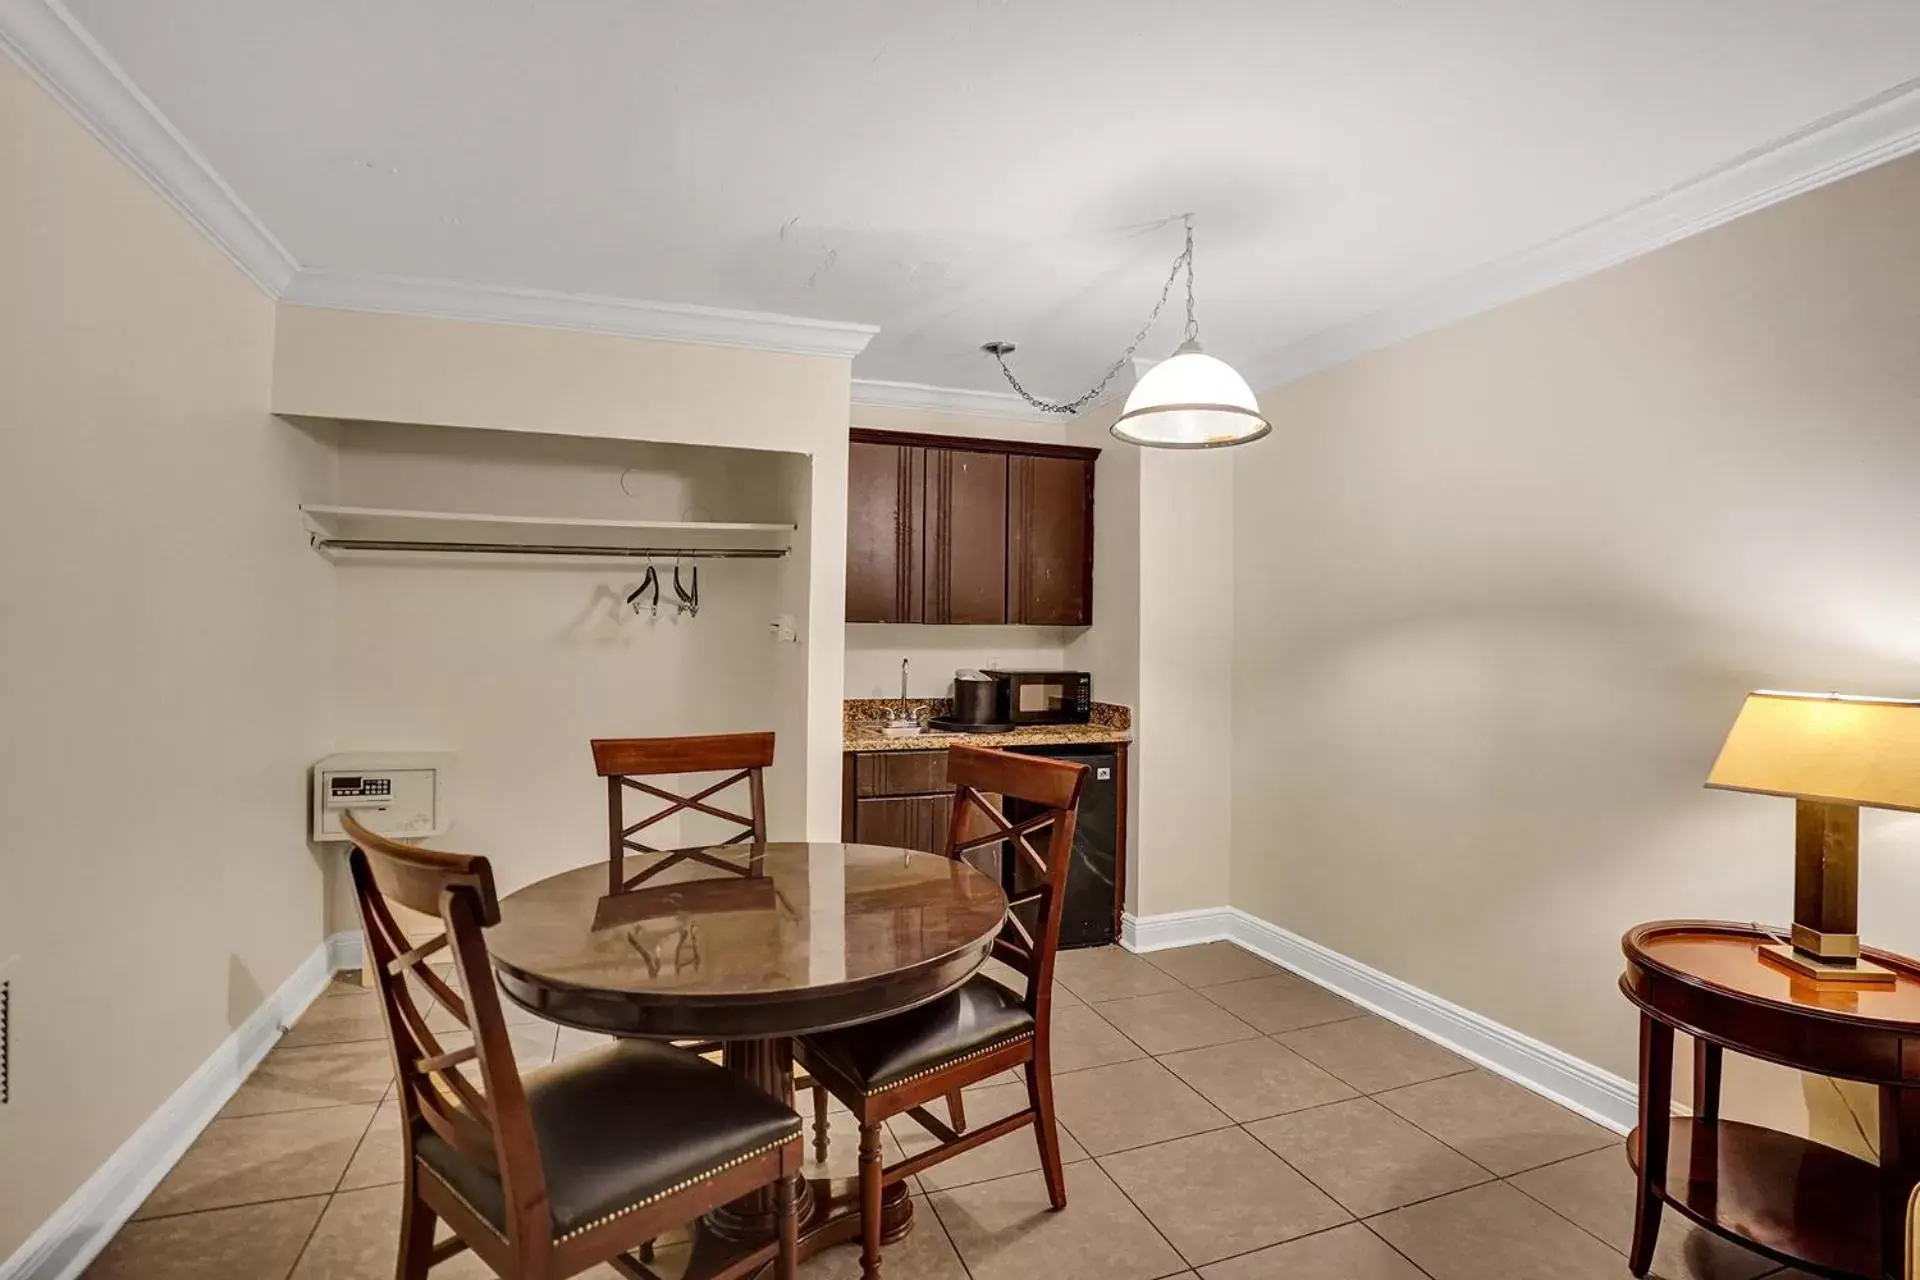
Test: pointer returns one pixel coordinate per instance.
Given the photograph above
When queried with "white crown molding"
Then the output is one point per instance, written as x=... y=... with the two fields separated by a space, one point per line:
x=53 y=48
x=960 y=400
x=587 y=313
x=1882 y=128
x=58 y=52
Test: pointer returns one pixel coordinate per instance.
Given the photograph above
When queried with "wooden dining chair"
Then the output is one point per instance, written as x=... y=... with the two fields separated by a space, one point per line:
x=571 y=1165
x=628 y=763
x=899 y=1064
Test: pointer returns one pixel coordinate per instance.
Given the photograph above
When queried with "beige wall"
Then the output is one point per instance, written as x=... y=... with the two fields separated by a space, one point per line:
x=166 y=638
x=354 y=365
x=1109 y=650
x=1501 y=589
x=1186 y=559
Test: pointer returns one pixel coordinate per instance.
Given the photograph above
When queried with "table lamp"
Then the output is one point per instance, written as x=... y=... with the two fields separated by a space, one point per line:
x=1832 y=754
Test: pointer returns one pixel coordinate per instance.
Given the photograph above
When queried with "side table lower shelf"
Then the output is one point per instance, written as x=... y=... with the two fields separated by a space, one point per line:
x=1804 y=1204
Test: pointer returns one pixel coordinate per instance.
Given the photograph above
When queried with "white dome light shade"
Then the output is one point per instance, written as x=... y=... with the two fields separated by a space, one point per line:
x=1191 y=401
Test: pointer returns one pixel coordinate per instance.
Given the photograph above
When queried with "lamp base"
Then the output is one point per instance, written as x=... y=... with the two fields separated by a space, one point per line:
x=1844 y=973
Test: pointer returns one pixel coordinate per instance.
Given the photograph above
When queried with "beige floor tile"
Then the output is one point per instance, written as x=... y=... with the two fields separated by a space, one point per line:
x=1281 y=1003
x=1372 y=1054
x=440 y=1018
x=1015 y=981
x=249 y=1159
x=1366 y=1157
x=532 y=1044
x=1596 y=1191
x=377 y=1160
x=1081 y=1038
x=1130 y=1104
x=338 y=1018
x=1015 y=1153
x=292 y=1078
x=1494 y=1123
x=1345 y=1253
x=359 y=1239
x=1222 y=1193
x=843 y=1145
x=1493 y=1230
x=1210 y=964
x=1252 y=1079
x=1004 y=1230
x=926 y=1254
x=572 y=1040
x=258 y=1241
x=1109 y=973
x=1173 y=1020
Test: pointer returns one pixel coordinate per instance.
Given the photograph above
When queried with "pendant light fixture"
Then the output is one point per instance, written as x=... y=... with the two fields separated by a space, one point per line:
x=1190 y=400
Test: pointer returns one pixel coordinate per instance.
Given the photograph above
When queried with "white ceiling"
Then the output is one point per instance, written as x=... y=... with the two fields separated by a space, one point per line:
x=960 y=170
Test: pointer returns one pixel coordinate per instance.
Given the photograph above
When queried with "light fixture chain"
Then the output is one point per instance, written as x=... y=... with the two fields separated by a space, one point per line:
x=1184 y=261
x=1193 y=325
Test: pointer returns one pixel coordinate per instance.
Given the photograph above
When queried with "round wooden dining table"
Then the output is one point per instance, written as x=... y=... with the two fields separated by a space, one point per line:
x=749 y=946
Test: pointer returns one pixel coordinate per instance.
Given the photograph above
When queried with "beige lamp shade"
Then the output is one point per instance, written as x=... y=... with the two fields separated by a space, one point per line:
x=1823 y=746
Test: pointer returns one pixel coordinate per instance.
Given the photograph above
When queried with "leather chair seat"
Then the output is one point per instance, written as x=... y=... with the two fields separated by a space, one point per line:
x=619 y=1126
x=979 y=1015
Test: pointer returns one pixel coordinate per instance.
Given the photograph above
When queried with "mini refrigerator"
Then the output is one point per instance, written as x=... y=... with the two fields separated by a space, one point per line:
x=1090 y=913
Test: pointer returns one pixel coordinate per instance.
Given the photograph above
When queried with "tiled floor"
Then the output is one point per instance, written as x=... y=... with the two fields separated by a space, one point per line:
x=1219 y=1117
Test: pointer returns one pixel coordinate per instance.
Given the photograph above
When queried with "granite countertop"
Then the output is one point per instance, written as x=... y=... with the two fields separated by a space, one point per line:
x=1109 y=722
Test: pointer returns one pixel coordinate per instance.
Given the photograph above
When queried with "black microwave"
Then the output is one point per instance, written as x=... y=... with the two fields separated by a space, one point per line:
x=1042 y=697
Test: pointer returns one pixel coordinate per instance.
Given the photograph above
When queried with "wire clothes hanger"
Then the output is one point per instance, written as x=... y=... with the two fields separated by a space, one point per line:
x=689 y=600
x=651 y=580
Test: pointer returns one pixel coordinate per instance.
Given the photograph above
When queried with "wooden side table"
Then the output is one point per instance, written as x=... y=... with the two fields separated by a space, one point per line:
x=1788 y=1197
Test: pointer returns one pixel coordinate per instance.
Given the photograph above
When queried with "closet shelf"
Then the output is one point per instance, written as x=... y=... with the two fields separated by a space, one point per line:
x=356 y=532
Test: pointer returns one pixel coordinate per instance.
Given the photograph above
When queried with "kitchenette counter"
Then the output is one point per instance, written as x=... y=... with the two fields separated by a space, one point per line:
x=1110 y=722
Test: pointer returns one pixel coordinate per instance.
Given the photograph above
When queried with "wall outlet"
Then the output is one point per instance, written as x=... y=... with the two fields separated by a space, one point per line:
x=784 y=630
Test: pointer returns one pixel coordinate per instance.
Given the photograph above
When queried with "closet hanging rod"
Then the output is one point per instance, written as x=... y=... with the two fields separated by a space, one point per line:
x=524 y=549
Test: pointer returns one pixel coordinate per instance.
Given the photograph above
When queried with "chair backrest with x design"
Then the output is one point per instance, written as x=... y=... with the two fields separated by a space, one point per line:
x=486 y=1122
x=626 y=762
x=1031 y=935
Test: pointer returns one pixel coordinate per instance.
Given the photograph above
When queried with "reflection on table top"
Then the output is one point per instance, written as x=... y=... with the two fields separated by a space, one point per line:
x=772 y=918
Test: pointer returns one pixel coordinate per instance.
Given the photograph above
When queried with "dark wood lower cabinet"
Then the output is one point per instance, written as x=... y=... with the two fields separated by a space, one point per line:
x=905 y=822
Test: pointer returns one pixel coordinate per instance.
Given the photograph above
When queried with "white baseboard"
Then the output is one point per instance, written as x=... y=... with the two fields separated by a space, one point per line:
x=345 y=950
x=1175 y=929
x=1599 y=1095
x=68 y=1241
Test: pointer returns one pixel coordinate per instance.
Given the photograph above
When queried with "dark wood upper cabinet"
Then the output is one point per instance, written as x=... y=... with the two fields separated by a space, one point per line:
x=885 y=520
x=945 y=529
x=966 y=537
x=1050 y=541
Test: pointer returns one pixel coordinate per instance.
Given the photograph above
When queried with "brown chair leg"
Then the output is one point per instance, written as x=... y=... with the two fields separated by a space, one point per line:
x=871 y=1168
x=957 y=1111
x=416 y=1234
x=1040 y=1097
x=819 y=1121
x=783 y=1206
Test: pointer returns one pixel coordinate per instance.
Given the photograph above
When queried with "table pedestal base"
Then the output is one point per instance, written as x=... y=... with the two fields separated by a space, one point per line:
x=828 y=1208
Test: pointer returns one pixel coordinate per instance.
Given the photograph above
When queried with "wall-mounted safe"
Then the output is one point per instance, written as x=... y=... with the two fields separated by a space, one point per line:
x=395 y=793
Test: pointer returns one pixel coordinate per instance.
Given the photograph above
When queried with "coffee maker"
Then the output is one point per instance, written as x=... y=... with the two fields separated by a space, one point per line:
x=975 y=705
